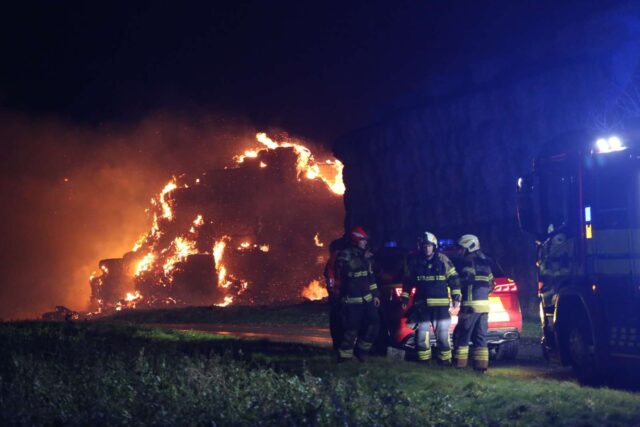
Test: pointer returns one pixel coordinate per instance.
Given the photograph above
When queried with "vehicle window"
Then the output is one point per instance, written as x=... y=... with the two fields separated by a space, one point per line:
x=557 y=192
x=612 y=201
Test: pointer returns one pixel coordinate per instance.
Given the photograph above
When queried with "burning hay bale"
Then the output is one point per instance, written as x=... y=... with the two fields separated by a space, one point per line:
x=249 y=233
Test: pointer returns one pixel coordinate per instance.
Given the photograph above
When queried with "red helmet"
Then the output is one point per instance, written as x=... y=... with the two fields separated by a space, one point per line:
x=357 y=234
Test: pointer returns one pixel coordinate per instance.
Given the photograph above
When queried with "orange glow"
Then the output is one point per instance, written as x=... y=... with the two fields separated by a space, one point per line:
x=162 y=254
x=315 y=291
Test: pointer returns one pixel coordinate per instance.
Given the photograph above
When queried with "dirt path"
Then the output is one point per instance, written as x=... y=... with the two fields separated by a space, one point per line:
x=528 y=365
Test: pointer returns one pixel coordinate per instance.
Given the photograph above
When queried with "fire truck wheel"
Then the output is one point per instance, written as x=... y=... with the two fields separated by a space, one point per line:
x=507 y=350
x=581 y=351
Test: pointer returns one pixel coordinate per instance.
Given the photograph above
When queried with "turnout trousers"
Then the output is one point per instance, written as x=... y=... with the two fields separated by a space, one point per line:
x=335 y=319
x=360 y=324
x=472 y=327
x=439 y=319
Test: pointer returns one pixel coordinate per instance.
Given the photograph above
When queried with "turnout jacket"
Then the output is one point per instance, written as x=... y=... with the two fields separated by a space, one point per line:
x=477 y=281
x=433 y=279
x=357 y=281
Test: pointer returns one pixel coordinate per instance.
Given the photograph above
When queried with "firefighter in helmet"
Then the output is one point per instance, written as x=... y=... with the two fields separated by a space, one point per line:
x=359 y=297
x=332 y=281
x=434 y=277
x=477 y=282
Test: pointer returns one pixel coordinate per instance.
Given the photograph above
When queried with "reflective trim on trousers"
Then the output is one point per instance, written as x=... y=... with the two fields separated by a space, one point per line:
x=346 y=354
x=480 y=353
x=461 y=354
x=364 y=345
x=444 y=355
x=424 y=354
x=481 y=358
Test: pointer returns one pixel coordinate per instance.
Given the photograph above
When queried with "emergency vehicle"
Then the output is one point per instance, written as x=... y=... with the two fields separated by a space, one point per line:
x=583 y=208
x=505 y=317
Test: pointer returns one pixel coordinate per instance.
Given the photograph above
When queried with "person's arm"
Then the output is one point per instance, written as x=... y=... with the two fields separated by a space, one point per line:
x=373 y=286
x=453 y=281
x=330 y=271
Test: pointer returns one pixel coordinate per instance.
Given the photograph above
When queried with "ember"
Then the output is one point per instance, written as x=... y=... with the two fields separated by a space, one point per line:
x=245 y=234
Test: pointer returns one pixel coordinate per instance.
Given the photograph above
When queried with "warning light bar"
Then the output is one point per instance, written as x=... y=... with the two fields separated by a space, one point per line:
x=609 y=145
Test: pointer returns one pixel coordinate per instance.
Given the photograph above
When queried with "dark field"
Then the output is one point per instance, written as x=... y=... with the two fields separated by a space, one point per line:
x=108 y=374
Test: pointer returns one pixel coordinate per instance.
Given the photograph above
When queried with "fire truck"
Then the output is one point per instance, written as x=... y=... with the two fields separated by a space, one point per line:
x=583 y=208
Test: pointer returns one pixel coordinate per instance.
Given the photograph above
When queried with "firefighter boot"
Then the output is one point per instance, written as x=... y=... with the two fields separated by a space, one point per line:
x=424 y=356
x=444 y=357
x=362 y=349
x=461 y=356
x=480 y=359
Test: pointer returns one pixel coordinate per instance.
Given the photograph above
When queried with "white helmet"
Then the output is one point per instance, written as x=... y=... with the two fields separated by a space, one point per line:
x=426 y=238
x=469 y=242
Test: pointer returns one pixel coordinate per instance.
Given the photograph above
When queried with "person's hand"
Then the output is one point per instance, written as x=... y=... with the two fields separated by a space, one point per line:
x=455 y=309
x=376 y=302
x=404 y=305
x=368 y=254
x=331 y=283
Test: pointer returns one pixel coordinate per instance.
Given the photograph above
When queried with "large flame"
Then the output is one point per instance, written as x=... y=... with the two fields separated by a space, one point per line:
x=329 y=171
x=145 y=264
x=181 y=248
x=167 y=212
x=221 y=270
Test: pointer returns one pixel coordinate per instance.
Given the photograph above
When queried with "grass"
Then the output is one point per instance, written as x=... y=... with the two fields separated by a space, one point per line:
x=531 y=329
x=108 y=374
x=306 y=313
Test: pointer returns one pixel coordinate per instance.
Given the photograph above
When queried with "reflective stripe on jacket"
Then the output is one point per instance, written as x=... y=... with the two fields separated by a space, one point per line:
x=434 y=279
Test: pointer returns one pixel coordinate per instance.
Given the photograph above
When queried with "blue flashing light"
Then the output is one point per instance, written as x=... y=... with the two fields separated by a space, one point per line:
x=587 y=214
x=445 y=242
x=391 y=244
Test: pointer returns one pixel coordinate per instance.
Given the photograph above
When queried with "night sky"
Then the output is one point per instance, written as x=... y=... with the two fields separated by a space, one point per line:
x=317 y=69
x=101 y=103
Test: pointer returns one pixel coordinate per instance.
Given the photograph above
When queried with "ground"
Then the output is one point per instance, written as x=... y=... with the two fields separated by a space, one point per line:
x=118 y=373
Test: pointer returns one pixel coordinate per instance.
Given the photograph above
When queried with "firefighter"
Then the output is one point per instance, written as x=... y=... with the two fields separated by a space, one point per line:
x=359 y=297
x=477 y=282
x=434 y=278
x=332 y=281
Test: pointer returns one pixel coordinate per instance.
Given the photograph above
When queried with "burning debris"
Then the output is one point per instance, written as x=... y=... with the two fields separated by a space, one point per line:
x=315 y=291
x=249 y=233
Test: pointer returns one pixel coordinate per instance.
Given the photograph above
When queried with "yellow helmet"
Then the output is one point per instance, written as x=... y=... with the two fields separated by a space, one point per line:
x=469 y=242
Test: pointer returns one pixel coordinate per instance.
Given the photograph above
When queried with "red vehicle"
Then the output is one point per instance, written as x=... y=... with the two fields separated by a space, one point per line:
x=505 y=318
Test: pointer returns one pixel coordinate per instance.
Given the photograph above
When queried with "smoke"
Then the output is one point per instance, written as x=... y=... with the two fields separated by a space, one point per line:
x=72 y=195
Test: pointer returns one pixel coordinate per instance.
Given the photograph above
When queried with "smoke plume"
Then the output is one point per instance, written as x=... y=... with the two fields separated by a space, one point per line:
x=75 y=194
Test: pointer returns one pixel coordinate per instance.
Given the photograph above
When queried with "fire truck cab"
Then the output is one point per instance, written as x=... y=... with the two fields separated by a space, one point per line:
x=583 y=209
